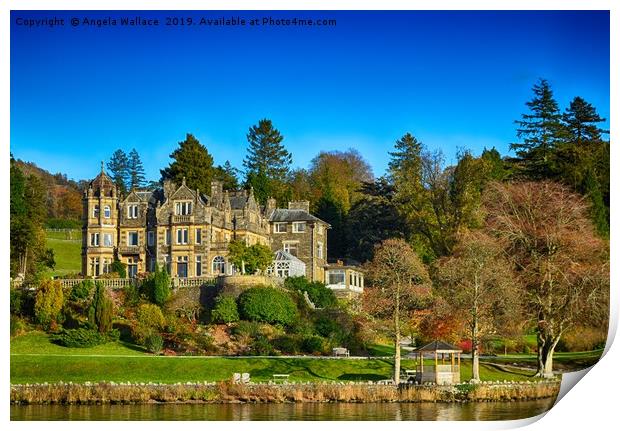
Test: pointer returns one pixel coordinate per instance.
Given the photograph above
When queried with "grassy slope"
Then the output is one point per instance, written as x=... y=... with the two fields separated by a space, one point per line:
x=67 y=252
x=35 y=359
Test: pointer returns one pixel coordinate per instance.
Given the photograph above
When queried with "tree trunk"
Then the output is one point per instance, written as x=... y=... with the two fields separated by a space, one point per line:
x=397 y=342
x=541 y=342
x=475 y=360
x=548 y=359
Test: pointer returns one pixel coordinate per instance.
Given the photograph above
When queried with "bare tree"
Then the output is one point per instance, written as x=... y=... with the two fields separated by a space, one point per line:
x=401 y=284
x=476 y=281
x=562 y=264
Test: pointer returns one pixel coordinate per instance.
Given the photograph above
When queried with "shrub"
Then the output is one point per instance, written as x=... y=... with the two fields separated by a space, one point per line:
x=79 y=338
x=157 y=286
x=81 y=290
x=49 y=302
x=225 y=310
x=131 y=295
x=261 y=346
x=102 y=310
x=17 y=326
x=267 y=304
x=150 y=316
x=326 y=326
x=16 y=302
x=246 y=329
x=119 y=267
x=287 y=344
x=320 y=295
x=313 y=344
x=154 y=343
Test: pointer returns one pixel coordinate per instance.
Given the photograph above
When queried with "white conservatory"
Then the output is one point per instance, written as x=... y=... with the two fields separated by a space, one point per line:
x=286 y=265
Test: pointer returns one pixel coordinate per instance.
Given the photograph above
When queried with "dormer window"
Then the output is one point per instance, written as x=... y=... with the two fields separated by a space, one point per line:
x=132 y=211
x=183 y=208
x=299 y=227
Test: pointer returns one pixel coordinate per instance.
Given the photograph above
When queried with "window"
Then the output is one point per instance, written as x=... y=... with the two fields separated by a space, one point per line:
x=182 y=266
x=132 y=211
x=132 y=238
x=219 y=265
x=336 y=277
x=106 y=265
x=198 y=266
x=167 y=237
x=94 y=240
x=183 y=208
x=106 y=211
x=182 y=236
x=132 y=267
x=279 y=228
x=151 y=238
x=198 y=236
x=152 y=262
x=94 y=266
x=299 y=227
x=319 y=250
x=290 y=247
x=96 y=211
x=108 y=240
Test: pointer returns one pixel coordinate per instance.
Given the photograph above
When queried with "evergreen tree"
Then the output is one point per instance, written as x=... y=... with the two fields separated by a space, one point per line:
x=135 y=170
x=193 y=162
x=118 y=166
x=101 y=311
x=227 y=174
x=267 y=163
x=539 y=130
x=29 y=252
x=583 y=158
x=498 y=170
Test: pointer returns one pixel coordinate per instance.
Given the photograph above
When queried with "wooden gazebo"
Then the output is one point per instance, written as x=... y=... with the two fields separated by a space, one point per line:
x=441 y=373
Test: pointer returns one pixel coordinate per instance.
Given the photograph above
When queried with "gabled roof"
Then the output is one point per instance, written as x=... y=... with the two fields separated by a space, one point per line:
x=286 y=215
x=439 y=346
x=238 y=202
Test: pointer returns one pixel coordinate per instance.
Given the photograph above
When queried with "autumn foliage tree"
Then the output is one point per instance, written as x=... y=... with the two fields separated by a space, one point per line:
x=562 y=265
x=478 y=284
x=400 y=284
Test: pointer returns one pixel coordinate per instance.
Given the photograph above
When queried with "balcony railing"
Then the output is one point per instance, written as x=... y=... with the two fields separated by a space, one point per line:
x=131 y=249
x=183 y=219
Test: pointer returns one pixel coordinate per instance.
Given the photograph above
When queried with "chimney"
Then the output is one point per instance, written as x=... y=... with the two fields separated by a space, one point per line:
x=217 y=189
x=299 y=205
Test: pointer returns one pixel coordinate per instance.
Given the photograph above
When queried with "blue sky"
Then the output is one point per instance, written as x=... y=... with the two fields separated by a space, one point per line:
x=453 y=79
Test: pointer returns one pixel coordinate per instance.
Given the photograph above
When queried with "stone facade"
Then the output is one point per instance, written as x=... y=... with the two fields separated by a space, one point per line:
x=187 y=231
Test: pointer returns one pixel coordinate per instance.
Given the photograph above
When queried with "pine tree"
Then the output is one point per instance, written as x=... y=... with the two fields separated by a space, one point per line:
x=193 y=162
x=267 y=163
x=583 y=158
x=101 y=311
x=118 y=166
x=539 y=130
x=135 y=170
x=227 y=174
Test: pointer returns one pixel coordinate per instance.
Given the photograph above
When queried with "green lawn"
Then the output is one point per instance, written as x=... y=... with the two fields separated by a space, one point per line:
x=67 y=251
x=35 y=359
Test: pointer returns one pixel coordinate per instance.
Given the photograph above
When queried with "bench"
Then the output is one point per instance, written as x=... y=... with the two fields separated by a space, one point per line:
x=340 y=351
x=241 y=378
x=281 y=377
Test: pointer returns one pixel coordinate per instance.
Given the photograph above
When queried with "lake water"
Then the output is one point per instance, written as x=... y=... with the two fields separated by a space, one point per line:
x=298 y=411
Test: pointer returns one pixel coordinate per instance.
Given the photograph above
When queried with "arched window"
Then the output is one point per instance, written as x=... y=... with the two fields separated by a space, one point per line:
x=106 y=211
x=219 y=265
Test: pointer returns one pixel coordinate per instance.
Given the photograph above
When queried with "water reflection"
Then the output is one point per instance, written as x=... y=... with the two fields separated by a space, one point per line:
x=301 y=411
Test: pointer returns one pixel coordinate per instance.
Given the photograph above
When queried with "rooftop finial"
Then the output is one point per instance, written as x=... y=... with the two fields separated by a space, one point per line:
x=102 y=166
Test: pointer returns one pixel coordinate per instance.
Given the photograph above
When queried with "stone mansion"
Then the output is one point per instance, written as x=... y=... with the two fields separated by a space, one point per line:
x=187 y=231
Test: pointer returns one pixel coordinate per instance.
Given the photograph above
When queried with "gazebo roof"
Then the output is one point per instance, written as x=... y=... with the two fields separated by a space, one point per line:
x=440 y=347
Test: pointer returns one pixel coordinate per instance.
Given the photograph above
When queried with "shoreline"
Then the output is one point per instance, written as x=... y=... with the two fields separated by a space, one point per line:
x=254 y=393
